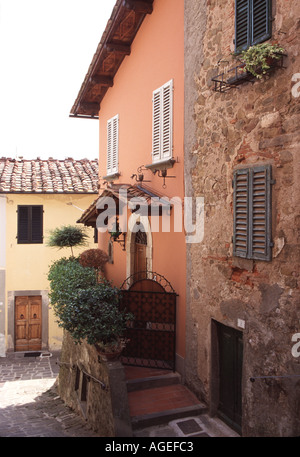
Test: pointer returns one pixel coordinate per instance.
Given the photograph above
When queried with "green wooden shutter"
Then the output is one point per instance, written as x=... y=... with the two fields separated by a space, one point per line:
x=252 y=22
x=241 y=213
x=242 y=24
x=252 y=238
x=260 y=213
x=261 y=21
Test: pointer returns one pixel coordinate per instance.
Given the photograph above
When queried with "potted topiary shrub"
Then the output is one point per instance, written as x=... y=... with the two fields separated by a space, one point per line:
x=260 y=58
x=67 y=236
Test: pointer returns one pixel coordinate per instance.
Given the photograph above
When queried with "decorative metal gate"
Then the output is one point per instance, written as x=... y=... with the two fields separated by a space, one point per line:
x=152 y=300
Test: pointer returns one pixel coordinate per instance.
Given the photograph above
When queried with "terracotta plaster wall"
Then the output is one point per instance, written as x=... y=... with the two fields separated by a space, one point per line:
x=156 y=57
x=256 y=123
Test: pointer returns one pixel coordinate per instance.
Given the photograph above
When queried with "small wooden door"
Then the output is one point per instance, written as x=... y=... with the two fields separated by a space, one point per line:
x=230 y=375
x=28 y=323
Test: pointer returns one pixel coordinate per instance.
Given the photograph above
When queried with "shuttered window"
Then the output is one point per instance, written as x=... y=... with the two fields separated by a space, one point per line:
x=252 y=213
x=162 y=122
x=30 y=224
x=252 y=22
x=112 y=145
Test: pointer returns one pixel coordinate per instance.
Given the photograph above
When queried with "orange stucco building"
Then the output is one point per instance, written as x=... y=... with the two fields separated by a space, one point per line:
x=135 y=86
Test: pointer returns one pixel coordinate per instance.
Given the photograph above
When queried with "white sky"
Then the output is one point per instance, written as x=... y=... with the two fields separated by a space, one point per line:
x=46 y=47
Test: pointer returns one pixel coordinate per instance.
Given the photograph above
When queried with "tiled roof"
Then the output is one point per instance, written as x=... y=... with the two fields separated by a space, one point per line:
x=48 y=176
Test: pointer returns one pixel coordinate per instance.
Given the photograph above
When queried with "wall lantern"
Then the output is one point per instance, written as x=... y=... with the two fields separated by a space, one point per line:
x=115 y=234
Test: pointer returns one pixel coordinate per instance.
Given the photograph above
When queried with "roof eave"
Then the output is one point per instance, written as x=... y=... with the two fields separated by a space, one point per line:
x=128 y=16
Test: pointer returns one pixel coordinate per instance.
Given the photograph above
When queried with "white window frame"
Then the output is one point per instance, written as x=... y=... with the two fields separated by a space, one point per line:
x=113 y=145
x=162 y=123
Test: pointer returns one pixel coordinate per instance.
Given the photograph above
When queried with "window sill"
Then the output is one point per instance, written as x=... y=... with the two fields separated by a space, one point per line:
x=111 y=177
x=161 y=165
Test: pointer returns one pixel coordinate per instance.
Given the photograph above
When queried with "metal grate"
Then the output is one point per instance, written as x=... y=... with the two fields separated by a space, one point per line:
x=152 y=335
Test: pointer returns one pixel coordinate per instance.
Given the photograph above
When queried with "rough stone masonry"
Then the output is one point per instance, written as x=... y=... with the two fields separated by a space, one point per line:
x=256 y=123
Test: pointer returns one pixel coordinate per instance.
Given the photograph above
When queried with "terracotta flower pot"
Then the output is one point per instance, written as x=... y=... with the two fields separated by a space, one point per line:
x=108 y=356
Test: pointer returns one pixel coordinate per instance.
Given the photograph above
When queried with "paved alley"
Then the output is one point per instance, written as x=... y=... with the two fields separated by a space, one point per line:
x=30 y=406
x=29 y=403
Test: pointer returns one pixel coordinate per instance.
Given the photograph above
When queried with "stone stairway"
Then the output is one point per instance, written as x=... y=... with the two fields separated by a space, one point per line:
x=158 y=396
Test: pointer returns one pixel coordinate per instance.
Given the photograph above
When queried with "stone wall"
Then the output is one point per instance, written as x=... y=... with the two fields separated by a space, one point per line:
x=256 y=123
x=94 y=389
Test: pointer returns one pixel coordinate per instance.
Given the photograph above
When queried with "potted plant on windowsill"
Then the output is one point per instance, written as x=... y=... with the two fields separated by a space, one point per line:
x=261 y=58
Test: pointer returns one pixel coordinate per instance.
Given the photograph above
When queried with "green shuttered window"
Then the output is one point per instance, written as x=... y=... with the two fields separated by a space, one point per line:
x=252 y=22
x=30 y=224
x=252 y=213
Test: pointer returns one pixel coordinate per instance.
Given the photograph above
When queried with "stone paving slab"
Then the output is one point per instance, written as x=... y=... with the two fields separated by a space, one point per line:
x=201 y=426
x=29 y=403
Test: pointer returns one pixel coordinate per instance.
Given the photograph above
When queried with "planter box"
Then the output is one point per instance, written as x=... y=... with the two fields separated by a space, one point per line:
x=239 y=76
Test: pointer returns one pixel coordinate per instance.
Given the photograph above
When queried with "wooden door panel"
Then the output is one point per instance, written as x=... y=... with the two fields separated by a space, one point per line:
x=230 y=374
x=21 y=323
x=140 y=258
x=34 y=331
x=28 y=323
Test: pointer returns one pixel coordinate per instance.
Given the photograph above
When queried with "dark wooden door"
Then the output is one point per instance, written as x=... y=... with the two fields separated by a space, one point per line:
x=230 y=375
x=140 y=256
x=140 y=260
x=28 y=323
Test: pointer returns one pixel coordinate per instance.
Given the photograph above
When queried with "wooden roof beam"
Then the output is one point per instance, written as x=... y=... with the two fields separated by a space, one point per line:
x=139 y=6
x=90 y=107
x=103 y=80
x=122 y=48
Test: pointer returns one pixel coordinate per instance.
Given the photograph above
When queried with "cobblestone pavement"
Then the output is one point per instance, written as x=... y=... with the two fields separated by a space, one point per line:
x=29 y=403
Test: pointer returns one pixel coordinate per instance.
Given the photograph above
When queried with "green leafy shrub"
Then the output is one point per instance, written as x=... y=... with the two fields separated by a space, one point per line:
x=88 y=310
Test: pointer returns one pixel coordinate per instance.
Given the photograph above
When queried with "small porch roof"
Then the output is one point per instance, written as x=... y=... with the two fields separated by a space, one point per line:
x=127 y=194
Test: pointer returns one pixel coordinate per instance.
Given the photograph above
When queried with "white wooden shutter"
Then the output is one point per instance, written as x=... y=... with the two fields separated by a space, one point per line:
x=162 y=120
x=167 y=111
x=156 y=126
x=112 y=144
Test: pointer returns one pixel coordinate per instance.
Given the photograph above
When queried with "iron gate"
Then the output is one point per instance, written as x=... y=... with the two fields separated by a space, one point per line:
x=152 y=335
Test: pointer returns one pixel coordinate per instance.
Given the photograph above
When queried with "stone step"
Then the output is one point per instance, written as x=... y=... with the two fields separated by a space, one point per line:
x=153 y=381
x=163 y=417
x=161 y=404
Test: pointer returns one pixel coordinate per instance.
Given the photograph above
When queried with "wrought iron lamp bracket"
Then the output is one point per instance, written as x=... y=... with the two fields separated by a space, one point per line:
x=140 y=176
x=115 y=235
x=163 y=174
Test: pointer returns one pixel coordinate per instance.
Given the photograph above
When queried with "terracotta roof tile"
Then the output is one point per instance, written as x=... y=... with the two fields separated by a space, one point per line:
x=132 y=191
x=48 y=176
